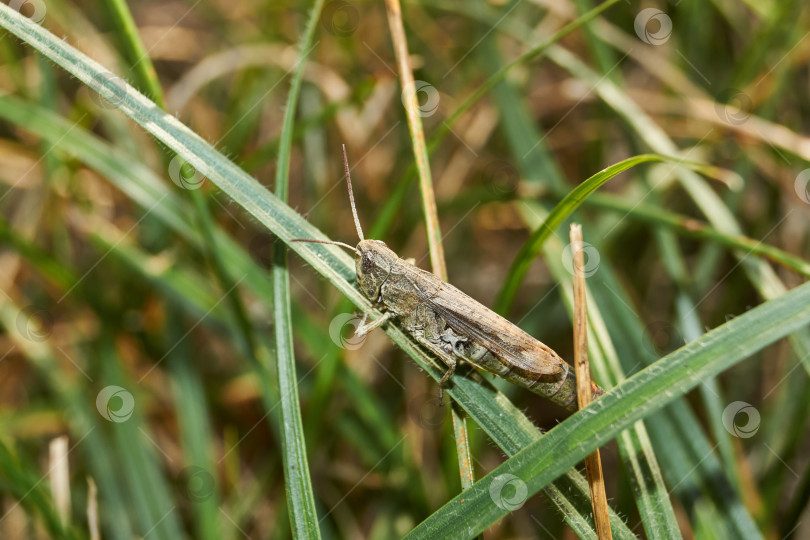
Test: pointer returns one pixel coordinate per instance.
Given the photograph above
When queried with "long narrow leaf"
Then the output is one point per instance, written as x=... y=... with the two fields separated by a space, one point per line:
x=298 y=484
x=564 y=208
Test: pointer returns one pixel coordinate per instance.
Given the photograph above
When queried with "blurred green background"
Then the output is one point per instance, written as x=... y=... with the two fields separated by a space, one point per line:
x=138 y=388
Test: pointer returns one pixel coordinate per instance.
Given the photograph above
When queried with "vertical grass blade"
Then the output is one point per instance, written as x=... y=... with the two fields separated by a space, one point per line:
x=135 y=52
x=298 y=484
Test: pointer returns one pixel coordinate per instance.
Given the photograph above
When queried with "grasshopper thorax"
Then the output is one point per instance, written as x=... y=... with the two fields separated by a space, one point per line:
x=373 y=265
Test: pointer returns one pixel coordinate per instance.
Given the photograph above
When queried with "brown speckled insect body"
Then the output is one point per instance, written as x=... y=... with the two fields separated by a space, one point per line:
x=452 y=325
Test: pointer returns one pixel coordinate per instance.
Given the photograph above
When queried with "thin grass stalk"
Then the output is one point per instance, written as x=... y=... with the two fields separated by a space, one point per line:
x=134 y=50
x=593 y=463
x=298 y=484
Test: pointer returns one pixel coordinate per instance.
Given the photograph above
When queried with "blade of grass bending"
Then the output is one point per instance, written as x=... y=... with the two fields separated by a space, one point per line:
x=434 y=233
x=761 y=276
x=635 y=398
x=298 y=484
x=507 y=426
x=565 y=208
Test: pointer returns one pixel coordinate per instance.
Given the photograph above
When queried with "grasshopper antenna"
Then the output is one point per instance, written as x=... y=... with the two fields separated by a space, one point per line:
x=351 y=195
x=329 y=242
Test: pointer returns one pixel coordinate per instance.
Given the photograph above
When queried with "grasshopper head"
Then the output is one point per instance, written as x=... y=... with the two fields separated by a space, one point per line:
x=373 y=264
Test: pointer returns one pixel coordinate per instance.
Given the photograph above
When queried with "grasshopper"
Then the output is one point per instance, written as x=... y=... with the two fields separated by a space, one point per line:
x=452 y=325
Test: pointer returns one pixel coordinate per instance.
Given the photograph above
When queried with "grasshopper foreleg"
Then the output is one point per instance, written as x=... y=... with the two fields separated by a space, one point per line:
x=364 y=328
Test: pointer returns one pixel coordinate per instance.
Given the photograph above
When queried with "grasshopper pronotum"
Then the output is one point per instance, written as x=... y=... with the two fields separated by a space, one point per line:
x=452 y=325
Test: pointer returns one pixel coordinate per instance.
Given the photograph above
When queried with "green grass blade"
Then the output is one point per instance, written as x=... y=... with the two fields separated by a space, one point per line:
x=25 y=484
x=632 y=400
x=199 y=473
x=565 y=208
x=692 y=228
x=298 y=484
x=135 y=52
x=137 y=453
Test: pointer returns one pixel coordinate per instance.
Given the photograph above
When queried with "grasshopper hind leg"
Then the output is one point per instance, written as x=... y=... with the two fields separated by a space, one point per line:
x=432 y=332
x=453 y=347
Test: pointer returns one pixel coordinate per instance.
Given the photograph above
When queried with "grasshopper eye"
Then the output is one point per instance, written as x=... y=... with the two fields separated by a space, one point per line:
x=368 y=262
